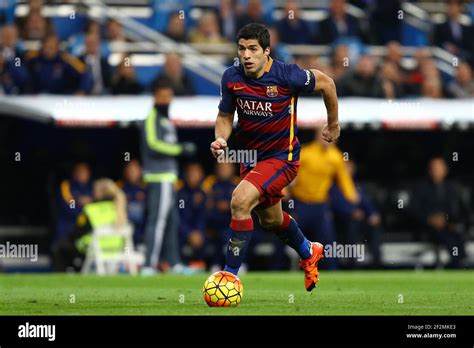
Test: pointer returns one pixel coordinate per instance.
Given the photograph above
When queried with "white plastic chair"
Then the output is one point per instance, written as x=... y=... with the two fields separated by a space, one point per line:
x=108 y=262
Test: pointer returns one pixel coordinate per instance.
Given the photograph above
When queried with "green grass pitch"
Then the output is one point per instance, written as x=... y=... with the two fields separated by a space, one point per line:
x=283 y=293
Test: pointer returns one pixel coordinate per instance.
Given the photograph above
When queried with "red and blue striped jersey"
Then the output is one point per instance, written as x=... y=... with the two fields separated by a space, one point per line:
x=266 y=108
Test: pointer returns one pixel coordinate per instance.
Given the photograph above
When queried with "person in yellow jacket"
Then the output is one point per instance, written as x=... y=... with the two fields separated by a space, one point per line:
x=108 y=208
x=321 y=165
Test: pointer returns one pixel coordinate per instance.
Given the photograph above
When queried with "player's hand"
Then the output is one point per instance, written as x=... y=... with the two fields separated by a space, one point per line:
x=331 y=133
x=218 y=146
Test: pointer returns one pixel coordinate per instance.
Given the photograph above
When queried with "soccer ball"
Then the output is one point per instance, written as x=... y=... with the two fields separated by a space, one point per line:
x=223 y=289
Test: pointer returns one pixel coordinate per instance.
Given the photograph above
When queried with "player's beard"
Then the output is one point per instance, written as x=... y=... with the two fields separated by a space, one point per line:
x=256 y=69
x=253 y=72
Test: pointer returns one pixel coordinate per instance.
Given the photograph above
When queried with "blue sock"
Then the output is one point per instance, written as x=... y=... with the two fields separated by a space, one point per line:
x=291 y=235
x=240 y=235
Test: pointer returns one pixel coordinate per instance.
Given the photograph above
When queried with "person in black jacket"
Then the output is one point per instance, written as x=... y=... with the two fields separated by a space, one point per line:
x=53 y=71
x=13 y=74
x=454 y=36
x=338 y=24
x=442 y=211
x=124 y=81
x=363 y=82
x=98 y=66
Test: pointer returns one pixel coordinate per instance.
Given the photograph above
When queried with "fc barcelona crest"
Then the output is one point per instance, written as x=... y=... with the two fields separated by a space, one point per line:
x=272 y=91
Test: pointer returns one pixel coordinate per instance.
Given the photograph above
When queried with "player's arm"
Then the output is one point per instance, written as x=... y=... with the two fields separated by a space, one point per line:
x=327 y=87
x=222 y=132
x=224 y=125
x=225 y=117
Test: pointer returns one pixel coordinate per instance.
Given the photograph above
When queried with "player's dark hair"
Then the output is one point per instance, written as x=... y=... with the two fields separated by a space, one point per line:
x=255 y=31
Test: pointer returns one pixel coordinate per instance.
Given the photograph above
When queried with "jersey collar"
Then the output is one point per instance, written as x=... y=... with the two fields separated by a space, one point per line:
x=269 y=64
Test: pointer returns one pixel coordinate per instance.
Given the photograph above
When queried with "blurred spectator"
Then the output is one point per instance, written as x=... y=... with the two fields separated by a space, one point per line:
x=163 y=9
x=392 y=80
x=173 y=71
x=98 y=66
x=292 y=29
x=394 y=75
x=385 y=21
x=267 y=9
x=74 y=193
x=361 y=221
x=339 y=24
x=124 y=81
x=432 y=86
x=56 y=72
x=219 y=188
x=77 y=42
x=108 y=208
x=227 y=14
x=442 y=211
x=114 y=35
x=134 y=188
x=300 y=60
x=35 y=27
x=414 y=78
x=160 y=150
x=452 y=35
x=363 y=82
x=340 y=63
x=207 y=30
x=35 y=5
x=463 y=85
x=176 y=29
x=313 y=61
x=13 y=71
x=9 y=44
x=278 y=50
x=114 y=32
x=192 y=213
x=321 y=164
x=254 y=14
x=394 y=54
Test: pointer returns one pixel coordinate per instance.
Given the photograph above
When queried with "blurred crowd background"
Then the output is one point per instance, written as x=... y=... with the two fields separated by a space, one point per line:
x=371 y=48
x=376 y=49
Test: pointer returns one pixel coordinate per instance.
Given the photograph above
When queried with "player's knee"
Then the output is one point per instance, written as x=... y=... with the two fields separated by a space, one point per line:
x=239 y=204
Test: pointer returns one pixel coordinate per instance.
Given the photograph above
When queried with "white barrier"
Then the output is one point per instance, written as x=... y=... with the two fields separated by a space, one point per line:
x=202 y=111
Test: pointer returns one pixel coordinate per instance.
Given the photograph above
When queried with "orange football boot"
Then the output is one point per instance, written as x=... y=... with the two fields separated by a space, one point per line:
x=310 y=266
